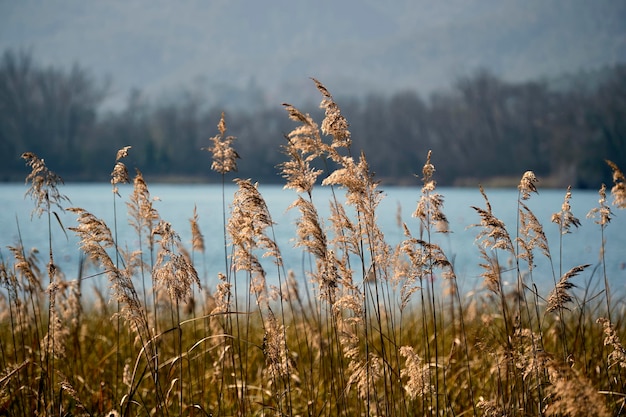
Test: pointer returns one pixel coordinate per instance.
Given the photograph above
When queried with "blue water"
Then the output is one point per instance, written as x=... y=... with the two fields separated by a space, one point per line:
x=176 y=204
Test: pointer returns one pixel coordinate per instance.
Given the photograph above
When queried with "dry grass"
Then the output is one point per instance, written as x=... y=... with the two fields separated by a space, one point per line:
x=364 y=330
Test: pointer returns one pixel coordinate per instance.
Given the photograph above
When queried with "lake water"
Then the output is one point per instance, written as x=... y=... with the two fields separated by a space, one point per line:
x=176 y=204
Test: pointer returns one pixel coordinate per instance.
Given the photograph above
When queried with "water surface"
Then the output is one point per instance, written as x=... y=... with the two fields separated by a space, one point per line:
x=176 y=204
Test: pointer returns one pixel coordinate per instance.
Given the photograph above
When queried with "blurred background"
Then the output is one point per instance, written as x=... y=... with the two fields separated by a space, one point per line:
x=493 y=88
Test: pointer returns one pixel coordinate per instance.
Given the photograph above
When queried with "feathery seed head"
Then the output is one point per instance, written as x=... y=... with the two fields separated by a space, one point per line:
x=122 y=153
x=559 y=296
x=43 y=189
x=603 y=212
x=417 y=372
x=197 y=240
x=618 y=355
x=297 y=171
x=493 y=234
x=224 y=155
x=430 y=206
x=120 y=172
x=527 y=184
x=531 y=236
x=565 y=218
x=619 y=186
x=334 y=123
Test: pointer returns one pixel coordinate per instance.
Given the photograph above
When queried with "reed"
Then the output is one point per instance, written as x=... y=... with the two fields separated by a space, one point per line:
x=360 y=327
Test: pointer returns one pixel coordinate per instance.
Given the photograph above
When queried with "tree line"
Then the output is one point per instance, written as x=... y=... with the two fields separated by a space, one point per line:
x=481 y=129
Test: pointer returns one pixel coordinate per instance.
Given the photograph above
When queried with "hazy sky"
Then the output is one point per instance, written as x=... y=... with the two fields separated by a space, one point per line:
x=350 y=45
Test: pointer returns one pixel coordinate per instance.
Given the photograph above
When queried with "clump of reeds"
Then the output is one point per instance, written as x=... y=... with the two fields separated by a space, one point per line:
x=361 y=327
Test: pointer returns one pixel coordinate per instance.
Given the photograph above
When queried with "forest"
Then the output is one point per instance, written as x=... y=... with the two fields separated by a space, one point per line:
x=482 y=129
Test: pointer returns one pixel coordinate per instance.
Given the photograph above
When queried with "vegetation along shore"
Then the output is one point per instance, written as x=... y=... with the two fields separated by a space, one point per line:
x=358 y=328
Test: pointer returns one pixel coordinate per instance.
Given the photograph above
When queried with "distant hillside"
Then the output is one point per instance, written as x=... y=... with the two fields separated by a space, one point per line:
x=480 y=129
x=354 y=46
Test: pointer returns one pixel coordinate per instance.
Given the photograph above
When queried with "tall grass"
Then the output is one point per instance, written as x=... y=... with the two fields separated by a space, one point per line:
x=360 y=327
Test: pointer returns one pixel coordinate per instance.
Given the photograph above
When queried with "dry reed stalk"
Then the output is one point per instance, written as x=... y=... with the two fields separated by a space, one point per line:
x=602 y=213
x=297 y=171
x=278 y=360
x=429 y=208
x=96 y=238
x=559 y=296
x=66 y=313
x=304 y=144
x=120 y=172
x=249 y=227
x=619 y=186
x=173 y=270
x=531 y=236
x=526 y=357
x=312 y=237
x=417 y=372
x=527 y=185
x=66 y=387
x=617 y=357
x=197 y=239
x=423 y=259
x=45 y=193
x=365 y=374
x=143 y=216
x=250 y=218
x=222 y=296
x=493 y=234
x=27 y=269
x=334 y=123
x=364 y=239
x=44 y=185
x=565 y=218
x=224 y=155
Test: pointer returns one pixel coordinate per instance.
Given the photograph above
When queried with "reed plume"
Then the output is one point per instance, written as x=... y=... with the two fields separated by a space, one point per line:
x=248 y=221
x=224 y=155
x=222 y=295
x=430 y=206
x=417 y=372
x=492 y=236
x=334 y=123
x=44 y=185
x=531 y=236
x=565 y=218
x=602 y=213
x=277 y=357
x=527 y=185
x=120 y=172
x=560 y=296
x=619 y=186
x=95 y=239
x=617 y=357
x=197 y=239
x=297 y=171
x=493 y=233
x=173 y=270
x=142 y=214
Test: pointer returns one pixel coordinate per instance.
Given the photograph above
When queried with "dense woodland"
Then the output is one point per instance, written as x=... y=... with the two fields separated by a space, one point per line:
x=482 y=129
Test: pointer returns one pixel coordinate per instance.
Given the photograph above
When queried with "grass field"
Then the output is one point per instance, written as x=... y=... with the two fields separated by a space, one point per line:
x=374 y=334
